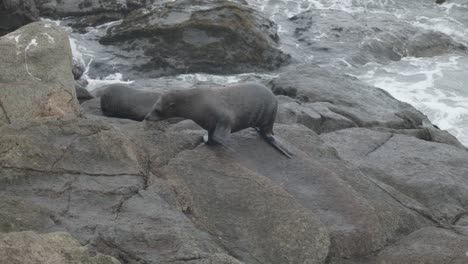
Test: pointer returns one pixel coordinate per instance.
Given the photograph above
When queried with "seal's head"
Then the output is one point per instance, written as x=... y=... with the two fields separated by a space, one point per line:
x=164 y=108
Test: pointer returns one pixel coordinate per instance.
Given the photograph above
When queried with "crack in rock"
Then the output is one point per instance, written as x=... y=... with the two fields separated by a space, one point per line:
x=379 y=146
x=5 y=113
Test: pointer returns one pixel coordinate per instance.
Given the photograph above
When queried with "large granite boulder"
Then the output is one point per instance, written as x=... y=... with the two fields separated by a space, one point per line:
x=52 y=248
x=193 y=36
x=358 y=38
x=36 y=78
x=326 y=101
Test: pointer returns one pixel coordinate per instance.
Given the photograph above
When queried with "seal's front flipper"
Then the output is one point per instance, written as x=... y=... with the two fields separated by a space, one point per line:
x=277 y=145
x=221 y=133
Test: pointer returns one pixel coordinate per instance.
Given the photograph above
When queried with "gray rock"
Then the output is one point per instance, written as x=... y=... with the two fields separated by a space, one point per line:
x=362 y=214
x=341 y=101
x=428 y=133
x=91 y=178
x=59 y=247
x=78 y=69
x=426 y=246
x=433 y=174
x=15 y=14
x=194 y=36
x=18 y=215
x=28 y=89
x=359 y=38
x=245 y=210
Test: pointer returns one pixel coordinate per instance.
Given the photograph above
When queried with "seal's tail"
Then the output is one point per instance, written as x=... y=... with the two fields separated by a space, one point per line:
x=277 y=145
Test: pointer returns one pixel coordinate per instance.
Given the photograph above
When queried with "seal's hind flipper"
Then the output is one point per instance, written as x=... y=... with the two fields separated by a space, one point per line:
x=277 y=145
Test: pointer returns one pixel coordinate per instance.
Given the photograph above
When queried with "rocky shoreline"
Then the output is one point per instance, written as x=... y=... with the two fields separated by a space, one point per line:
x=373 y=181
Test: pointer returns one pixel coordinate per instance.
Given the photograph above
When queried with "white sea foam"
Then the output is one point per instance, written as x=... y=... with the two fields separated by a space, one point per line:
x=436 y=86
x=110 y=79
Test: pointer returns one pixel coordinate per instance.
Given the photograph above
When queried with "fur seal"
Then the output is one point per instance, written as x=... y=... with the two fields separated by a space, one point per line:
x=121 y=101
x=223 y=110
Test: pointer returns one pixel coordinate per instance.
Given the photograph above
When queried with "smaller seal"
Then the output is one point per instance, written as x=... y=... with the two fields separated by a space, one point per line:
x=121 y=101
x=223 y=110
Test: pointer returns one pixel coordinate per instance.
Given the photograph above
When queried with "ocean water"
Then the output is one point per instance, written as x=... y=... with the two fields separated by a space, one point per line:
x=436 y=86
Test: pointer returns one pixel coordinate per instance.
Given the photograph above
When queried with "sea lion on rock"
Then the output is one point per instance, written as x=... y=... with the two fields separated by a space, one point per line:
x=223 y=110
x=121 y=101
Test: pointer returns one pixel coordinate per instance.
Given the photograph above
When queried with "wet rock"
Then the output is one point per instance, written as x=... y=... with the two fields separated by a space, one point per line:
x=18 y=215
x=78 y=69
x=359 y=38
x=57 y=9
x=249 y=207
x=59 y=247
x=81 y=170
x=429 y=246
x=428 y=133
x=194 y=36
x=341 y=101
x=360 y=215
x=15 y=14
x=28 y=89
x=434 y=174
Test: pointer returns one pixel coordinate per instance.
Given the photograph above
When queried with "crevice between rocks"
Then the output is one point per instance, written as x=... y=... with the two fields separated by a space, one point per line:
x=72 y=172
x=127 y=257
x=64 y=152
x=349 y=116
x=379 y=146
x=458 y=217
x=5 y=112
x=420 y=211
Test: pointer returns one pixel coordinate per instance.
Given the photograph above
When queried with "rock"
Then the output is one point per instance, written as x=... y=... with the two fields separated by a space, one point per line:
x=77 y=171
x=428 y=133
x=358 y=38
x=426 y=246
x=189 y=36
x=433 y=174
x=239 y=206
x=361 y=215
x=59 y=247
x=28 y=89
x=18 y=215
x=78 y=69
x=57 y=9
x=334 y=101
x=15 y=14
